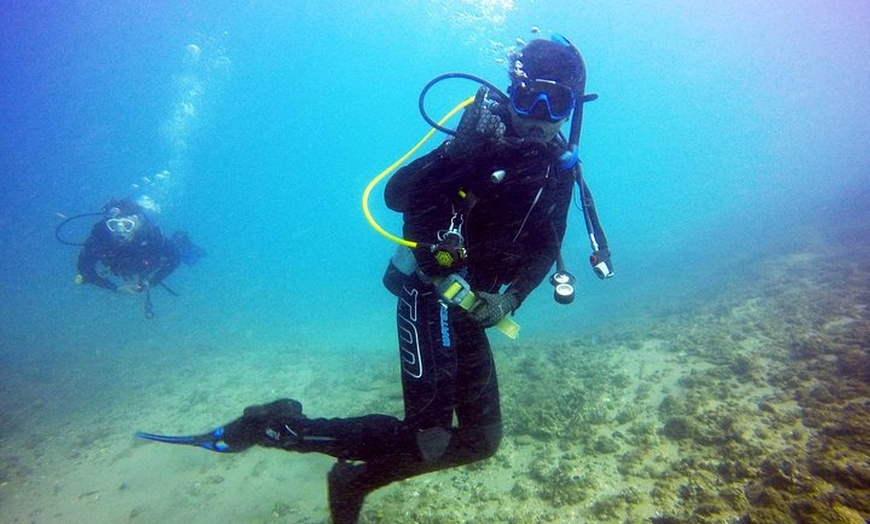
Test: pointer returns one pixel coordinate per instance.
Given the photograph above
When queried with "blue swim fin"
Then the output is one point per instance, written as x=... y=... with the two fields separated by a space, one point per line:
x=212 y=441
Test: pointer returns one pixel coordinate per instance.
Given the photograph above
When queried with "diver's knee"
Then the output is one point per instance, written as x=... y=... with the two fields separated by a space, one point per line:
x=481 y=442
x=433 y=442
x=491 y=440
x=472 y=444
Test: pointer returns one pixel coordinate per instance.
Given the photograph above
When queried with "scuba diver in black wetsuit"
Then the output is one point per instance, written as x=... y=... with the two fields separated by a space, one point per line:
x=489 y=209
x=126 y=243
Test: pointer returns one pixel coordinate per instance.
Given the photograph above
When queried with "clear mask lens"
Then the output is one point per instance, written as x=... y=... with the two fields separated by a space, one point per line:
x=121 y=226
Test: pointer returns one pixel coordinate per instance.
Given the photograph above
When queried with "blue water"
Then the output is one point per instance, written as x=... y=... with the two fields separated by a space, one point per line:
x=723 y=131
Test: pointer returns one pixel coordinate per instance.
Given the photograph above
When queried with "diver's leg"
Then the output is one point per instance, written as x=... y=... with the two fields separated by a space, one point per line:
x=427 y=356
x=473 y=382
x=475 y=397
x=428 y=363
x=349 y=484
x=281 y=424
x=477 y=385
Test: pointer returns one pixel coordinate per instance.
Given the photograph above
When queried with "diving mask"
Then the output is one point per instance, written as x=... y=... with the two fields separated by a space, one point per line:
x=542 y=99
x=122 y=227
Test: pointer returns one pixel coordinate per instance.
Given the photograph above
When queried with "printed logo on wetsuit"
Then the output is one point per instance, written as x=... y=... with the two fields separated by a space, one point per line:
x=445 y=327
x=409 y=339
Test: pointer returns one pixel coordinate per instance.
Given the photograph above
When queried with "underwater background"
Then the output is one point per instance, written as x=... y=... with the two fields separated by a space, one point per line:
x=722 y=375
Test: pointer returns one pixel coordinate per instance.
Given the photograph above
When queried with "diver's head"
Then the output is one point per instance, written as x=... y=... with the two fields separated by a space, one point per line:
x=125 y=218
x=123 y=227
x=546 y=78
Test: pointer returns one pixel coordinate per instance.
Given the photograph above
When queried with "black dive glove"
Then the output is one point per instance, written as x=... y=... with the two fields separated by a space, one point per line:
x=265 y=425
x=478 y=130
x=601 y=264
x=492 y=307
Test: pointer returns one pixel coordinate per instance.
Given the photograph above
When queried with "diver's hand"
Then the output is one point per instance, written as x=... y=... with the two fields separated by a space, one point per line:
x=264 y=425
x=134 y=287
x=601 y=264
x=478 y=130
x=492 y=307
x=130 y=287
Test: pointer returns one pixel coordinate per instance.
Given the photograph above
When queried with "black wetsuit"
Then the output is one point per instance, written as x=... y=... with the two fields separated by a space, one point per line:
x=148 y=257
x=513 y=231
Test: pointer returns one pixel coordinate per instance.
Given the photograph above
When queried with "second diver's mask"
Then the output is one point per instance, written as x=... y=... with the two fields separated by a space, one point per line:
x=123 y=227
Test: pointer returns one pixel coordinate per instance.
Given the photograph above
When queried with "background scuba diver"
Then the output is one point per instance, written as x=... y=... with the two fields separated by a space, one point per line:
x=128 y=244
x=491 y=204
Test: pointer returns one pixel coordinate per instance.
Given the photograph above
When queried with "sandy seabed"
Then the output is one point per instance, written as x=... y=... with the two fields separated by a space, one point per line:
x=751 y=407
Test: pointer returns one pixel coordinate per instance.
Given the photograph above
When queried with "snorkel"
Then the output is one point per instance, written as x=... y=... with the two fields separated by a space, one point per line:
x=563 y=281
x=572 y=155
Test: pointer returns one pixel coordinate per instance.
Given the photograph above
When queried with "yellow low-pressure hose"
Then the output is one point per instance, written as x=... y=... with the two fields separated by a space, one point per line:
x=506 y=325
x=395 y=165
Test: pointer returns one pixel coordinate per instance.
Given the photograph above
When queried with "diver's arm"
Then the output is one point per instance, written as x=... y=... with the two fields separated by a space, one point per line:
x=542 y=255
x=417 y=182
x=400 y=189
x=87 y=267
x=460 y=163
x=532 y=273
x=165 y=259
x=531 y=278
x=166 y=266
